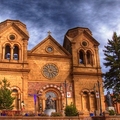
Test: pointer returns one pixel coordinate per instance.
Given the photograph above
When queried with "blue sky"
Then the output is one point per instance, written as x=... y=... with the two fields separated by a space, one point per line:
x=40 y=16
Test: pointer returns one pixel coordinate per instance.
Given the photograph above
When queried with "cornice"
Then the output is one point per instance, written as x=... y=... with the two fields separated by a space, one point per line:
x=46 y=55
x=14 y=70
x=86 y=73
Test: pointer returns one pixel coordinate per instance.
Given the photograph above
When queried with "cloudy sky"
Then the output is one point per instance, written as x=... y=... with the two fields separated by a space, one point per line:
x=100 y=16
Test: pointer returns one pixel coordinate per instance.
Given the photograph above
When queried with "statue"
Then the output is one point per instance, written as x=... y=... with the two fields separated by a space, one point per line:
x=109 y=99
x=49 y=103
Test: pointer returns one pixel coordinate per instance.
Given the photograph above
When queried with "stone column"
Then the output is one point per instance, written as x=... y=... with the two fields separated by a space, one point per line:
x=20 y=55
x=92 y=60
x=25 y=50
x=85 y=59
x=3 y=57
x=11 y=53
x=81 y=101
x=44 y=104
x=24 y=86
x=89 y=100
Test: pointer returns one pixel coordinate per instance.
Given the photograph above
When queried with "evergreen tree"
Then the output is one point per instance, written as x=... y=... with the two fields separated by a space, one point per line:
x=112 y=58
x=6 y=100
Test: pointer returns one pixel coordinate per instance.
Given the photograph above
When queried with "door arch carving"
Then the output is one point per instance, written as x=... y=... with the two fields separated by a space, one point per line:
x=57 y=96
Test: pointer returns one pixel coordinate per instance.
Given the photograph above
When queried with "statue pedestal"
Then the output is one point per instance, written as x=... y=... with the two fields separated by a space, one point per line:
x=110 y=108
x=49 y=111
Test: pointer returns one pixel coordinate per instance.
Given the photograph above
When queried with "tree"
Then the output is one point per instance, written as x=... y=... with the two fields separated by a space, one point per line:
x=6 y=100
x=112 y=58
x=71 y=110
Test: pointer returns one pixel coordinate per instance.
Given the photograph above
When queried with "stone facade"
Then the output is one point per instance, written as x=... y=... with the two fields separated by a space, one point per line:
x=70 y=73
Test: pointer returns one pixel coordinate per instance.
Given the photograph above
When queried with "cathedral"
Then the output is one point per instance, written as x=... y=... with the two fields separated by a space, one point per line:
x=69 y=74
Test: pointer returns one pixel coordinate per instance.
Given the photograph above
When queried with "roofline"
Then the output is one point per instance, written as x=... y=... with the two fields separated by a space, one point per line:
x=16 y=21
x=78 y=28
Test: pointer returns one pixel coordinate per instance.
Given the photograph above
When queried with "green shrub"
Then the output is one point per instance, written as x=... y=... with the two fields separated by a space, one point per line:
x=43 y=114
x=111 y=112
x=54 y=114
x=71 y=110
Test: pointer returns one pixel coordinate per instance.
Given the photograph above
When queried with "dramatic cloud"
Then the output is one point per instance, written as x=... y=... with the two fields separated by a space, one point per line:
x=57 y=16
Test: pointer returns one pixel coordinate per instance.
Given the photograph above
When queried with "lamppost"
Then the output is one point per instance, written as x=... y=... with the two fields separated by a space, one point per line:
x=67 y=89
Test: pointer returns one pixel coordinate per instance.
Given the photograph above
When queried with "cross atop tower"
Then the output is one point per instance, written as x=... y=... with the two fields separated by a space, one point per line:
x=49 y=32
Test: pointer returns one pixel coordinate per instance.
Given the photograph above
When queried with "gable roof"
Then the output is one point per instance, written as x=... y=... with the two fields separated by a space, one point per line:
x=93 y=40
x=17 y=25
x=71 y=34
x=49 y=37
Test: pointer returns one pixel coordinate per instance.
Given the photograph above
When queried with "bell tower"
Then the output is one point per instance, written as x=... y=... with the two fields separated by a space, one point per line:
x=86 y=70
x=13 y=41
x=13 y=57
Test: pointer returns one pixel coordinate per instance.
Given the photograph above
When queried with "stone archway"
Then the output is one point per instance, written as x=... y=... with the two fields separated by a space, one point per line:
x=16 y=92
x=57 y=95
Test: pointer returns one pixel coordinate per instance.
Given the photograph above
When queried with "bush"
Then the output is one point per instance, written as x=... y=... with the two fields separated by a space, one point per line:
x=71 y=110
x=43 y=114
x=111 y=112
x=54 y=114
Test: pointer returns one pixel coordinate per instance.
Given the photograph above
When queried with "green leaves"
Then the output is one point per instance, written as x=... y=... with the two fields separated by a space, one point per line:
x=112 y=61
x=6 y=100
x=71 y=110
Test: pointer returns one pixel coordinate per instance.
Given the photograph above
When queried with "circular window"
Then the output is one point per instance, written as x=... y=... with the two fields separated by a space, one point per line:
x=49 y=49
x=12 y=37
x=50 y=71
x=84 y=43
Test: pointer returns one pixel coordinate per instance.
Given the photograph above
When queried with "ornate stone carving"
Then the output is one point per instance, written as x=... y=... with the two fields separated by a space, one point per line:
x=50 y=71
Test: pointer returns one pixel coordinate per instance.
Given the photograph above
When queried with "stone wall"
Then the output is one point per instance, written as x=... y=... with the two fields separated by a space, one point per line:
x=59 y=118
x=43 y=118
x=112 y=117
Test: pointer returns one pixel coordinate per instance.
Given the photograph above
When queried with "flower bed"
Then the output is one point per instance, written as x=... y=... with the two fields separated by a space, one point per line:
x=10 y=112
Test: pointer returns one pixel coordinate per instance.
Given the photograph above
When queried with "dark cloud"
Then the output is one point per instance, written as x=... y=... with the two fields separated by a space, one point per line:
x=57 y=16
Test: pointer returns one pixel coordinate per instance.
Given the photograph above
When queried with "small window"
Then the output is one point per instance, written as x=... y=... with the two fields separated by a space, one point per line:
x=85 y=93
x=49 y=49
x=16 y=53
x=15 y=90
x=89 y=57
x=12 y=37
x=7 y=52
x=92 y=93
x=84 y=43
x=81 y=57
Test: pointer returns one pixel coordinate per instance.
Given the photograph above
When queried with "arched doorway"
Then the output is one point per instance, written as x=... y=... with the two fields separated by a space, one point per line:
x=56 y=96
x=16 y=101
x=16 y=92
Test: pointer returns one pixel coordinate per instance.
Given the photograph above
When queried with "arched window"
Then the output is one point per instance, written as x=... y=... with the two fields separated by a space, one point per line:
x=81 y=57
x=89 y=57
x=93 y=102
x=16 y=102
x=89 y=101
x=7 y=52
x=16 y=53
x=86 y=101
